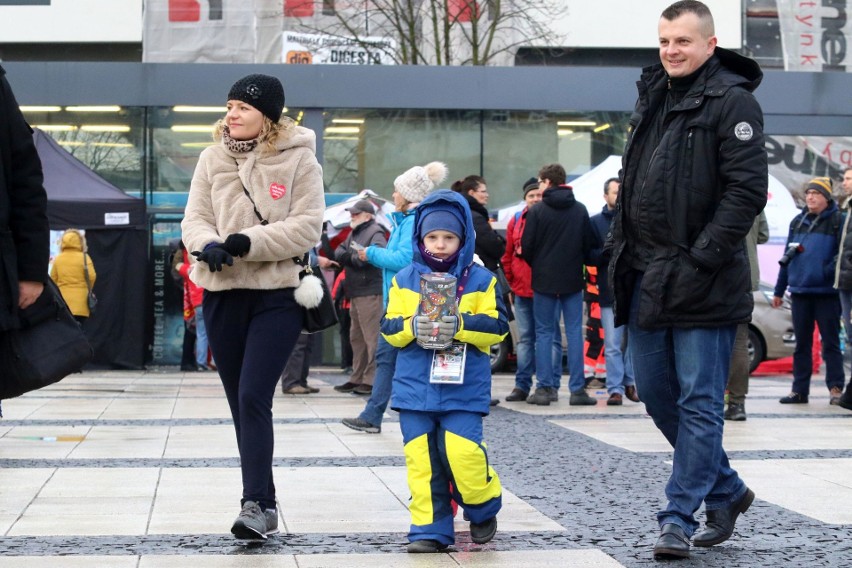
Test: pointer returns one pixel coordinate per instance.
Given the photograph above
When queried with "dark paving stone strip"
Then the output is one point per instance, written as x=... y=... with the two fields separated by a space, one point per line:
x=368 y=461
x=608 y=497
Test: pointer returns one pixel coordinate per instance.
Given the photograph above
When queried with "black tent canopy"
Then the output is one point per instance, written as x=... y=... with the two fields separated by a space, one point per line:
x=116 y=233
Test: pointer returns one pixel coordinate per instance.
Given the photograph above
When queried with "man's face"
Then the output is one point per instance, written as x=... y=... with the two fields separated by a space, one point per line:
x=544 y=184
x=532 y=197
x=816 y=201
x=683 y=48
x=847 y=182
x=611 y=195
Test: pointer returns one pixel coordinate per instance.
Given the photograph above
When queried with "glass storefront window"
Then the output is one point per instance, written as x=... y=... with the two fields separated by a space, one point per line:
x=109 y=139
x=370 y=148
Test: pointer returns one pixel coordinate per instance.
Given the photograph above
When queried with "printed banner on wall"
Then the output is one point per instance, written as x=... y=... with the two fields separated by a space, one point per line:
x=816 y=35
x=212 y=31
x=794 y=160
x=303 y=48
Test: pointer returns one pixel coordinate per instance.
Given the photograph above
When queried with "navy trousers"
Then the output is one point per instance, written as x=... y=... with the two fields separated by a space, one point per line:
x=252 y=333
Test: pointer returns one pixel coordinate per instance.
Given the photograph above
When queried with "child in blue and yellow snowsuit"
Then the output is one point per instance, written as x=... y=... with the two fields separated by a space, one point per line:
x=442 y=423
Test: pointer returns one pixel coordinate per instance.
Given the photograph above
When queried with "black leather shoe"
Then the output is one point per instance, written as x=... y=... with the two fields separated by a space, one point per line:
x=517 y=394
x=672 y=544
x=720 y=522
x=425 y=546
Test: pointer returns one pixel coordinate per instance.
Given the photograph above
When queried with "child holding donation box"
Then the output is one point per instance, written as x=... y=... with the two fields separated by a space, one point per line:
x=443 y=314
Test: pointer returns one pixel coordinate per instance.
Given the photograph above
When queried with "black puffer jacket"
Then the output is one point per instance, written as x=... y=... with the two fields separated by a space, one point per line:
x=24 y=233
x=557 y=242
x=489 y=244
x=702 y=187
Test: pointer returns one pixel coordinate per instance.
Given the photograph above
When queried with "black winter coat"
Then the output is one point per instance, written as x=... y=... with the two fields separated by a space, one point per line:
x=557 y=242
x=24 y=232
x=704 y=184
x=489 y=244
x=362 y=278
x=843 y=273
x=600 y=228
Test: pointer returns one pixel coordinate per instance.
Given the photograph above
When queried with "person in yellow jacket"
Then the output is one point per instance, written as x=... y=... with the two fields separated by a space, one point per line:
x=69 y=274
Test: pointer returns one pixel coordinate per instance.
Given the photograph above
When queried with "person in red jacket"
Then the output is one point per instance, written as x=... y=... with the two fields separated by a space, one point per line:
x=192 y=295
x=519 y=276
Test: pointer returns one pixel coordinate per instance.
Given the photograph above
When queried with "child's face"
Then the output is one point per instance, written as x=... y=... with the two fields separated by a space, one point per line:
x=441 y=243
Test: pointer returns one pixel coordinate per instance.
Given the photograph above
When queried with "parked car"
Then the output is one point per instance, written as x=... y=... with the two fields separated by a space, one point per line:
x=770 y=333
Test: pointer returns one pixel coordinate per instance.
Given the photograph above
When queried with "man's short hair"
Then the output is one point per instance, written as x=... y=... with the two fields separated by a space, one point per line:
x=553 y=172
x=606 y=184
x=676 y=10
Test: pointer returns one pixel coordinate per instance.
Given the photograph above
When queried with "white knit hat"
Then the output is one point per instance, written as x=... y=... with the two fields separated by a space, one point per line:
x=416 y=183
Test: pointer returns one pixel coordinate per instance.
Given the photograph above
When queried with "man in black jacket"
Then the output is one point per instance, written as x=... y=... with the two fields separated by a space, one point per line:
x=557 y=243
x=694 y=177
x=364 y=287
x=24 y=232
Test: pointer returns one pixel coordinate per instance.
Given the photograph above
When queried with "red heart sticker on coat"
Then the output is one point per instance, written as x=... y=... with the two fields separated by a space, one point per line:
x=277 y=190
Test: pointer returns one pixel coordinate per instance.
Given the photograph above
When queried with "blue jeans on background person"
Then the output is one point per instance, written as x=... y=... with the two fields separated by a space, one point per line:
x=681 y=374
x=525 y=349
x=382 y=382
x=619 y=366
x=200 y=337
x=547 y=309
x=823 y=310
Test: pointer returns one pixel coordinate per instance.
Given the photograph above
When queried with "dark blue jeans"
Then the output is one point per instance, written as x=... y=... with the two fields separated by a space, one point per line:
x=824 y=310
x=252 y=333
x=385 y=365
x=547 y=308
x=681 y=374
x=525 y=349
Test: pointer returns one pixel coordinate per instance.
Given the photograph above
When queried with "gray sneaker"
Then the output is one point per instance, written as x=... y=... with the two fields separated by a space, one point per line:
x=361 y=425
x=255 y=524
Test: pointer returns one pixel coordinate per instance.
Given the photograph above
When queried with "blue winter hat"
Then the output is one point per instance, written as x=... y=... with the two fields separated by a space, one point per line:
x=441 y=221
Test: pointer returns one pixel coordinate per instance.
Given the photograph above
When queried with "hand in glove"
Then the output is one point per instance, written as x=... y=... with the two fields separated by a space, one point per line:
x=215 y=257
x=447 y=328
x=422 y=328
x=237 y=244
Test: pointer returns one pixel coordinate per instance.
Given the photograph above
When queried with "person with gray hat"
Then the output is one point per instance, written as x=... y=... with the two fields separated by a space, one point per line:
x=255 y=207
x=364 y=288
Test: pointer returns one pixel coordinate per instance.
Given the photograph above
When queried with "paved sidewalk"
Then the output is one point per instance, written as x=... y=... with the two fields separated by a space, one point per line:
x=140 y=469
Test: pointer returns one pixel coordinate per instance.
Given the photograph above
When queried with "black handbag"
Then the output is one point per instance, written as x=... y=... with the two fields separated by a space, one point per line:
x=323 y=316
x=49 y=346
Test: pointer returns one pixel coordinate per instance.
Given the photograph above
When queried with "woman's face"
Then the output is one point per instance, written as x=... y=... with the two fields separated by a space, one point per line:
x=243 y=120
x=480 y=194
x=399 y=201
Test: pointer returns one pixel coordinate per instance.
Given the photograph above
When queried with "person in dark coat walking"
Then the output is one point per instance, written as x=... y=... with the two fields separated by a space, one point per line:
x=694 y=176
x=24 y=230
x=557 y=243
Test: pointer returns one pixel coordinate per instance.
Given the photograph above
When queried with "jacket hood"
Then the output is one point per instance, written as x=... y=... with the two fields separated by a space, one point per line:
x=71 y=241
x=560 y=197
x=455 y=204
x=722 y=71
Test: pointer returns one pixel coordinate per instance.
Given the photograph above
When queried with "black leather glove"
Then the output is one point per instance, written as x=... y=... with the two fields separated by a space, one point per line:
x=215 y=257
x=237 y=244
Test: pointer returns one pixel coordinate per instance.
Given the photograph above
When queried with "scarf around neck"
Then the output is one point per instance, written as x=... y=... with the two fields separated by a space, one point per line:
x=240 y=146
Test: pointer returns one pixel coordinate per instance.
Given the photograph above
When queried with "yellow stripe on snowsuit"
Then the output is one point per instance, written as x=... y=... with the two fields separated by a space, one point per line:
x=475 y=480
x=419 y=468
x=402 y=305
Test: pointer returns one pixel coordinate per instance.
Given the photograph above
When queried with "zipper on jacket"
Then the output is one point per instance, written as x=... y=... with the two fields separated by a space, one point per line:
x=689 y=140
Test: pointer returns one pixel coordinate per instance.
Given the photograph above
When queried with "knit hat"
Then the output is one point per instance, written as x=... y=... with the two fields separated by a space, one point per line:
x=362 y=206
x=822 y=185
x=441 y=221
x=530 y=185
x=414 y=184
x=263 y=92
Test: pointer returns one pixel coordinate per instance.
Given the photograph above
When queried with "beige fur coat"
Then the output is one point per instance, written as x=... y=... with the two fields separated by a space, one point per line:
x=287 y=188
